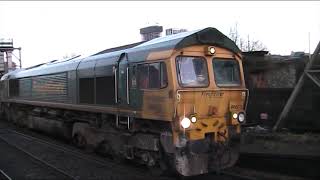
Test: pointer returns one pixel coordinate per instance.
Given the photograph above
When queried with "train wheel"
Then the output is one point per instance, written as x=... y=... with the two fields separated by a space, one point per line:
x=160 y=170
x=79 y=140
x=22 y=118
x=163 y=165
x=104 y=149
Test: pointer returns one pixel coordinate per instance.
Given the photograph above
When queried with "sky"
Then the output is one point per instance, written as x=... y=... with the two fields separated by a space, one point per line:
x=51 y=30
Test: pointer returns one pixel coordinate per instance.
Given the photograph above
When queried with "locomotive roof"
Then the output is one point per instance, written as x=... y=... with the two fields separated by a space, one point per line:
x=136 y=52
x=118 y=48
x=208 y=36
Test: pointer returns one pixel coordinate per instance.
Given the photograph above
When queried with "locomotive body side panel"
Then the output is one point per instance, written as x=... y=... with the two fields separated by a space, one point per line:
x=156 y=100
x=86 y=82
x=105 y=81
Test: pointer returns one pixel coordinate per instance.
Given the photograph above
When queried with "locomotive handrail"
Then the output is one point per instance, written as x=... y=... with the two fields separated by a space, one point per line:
x=128 y=98
x=116 y=85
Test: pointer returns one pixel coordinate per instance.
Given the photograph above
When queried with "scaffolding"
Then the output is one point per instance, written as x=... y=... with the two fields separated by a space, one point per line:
x=6 y=53
x=312 y=71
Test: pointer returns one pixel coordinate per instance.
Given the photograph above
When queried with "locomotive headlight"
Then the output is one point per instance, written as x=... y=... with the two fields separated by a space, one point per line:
x=235 y=115
x=241 y=117
x=212 y=50
x=193 y=119
x=185 y=123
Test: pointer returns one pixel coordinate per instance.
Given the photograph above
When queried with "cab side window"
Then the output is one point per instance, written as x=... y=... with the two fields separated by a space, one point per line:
x=152 y=76
x=163 y=75
x=143 y=76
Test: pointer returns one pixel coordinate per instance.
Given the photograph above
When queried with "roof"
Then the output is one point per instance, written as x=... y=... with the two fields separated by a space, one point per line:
x=137 y=51
x=255 y=53
x=119 y=48
x=208 y=36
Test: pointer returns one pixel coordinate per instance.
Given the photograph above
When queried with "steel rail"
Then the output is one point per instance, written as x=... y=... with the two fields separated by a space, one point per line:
x=40 y=160
x=76 y=153
x=61 y=148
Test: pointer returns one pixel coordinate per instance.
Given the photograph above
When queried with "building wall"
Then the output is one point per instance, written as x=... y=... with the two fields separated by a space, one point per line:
x=270 y=84
x=283 y=77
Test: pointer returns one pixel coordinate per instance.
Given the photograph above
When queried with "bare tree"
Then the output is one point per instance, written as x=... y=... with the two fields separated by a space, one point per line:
x=245 y=45
x=234 y=35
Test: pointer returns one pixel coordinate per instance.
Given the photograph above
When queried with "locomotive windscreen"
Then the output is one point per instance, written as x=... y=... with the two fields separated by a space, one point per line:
x=226 y=72
x=192 y=71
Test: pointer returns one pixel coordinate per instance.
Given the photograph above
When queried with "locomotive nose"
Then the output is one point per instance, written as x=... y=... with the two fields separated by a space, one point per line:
x=210 y=112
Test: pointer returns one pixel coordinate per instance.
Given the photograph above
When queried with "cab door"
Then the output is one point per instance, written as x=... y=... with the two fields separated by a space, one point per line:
x=123 y=99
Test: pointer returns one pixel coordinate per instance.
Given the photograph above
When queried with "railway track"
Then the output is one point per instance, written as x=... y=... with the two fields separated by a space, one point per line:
x=63 y=149
x=110 y=170
x=64 y=173
x=26 y=162
x=88 y=158
x=74 y=164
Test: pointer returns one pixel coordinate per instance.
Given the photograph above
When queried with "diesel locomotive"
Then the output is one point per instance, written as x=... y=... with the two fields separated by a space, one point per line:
x=175 y=102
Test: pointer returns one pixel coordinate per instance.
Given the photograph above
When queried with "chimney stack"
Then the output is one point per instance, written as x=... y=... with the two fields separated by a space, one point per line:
x=151 y=32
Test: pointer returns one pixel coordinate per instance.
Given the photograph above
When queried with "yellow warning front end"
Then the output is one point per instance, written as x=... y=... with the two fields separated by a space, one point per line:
x=210 y=108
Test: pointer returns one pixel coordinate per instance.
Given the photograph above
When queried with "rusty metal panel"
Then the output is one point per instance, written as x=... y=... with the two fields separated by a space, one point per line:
x=50 y=88
x=44 y=88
